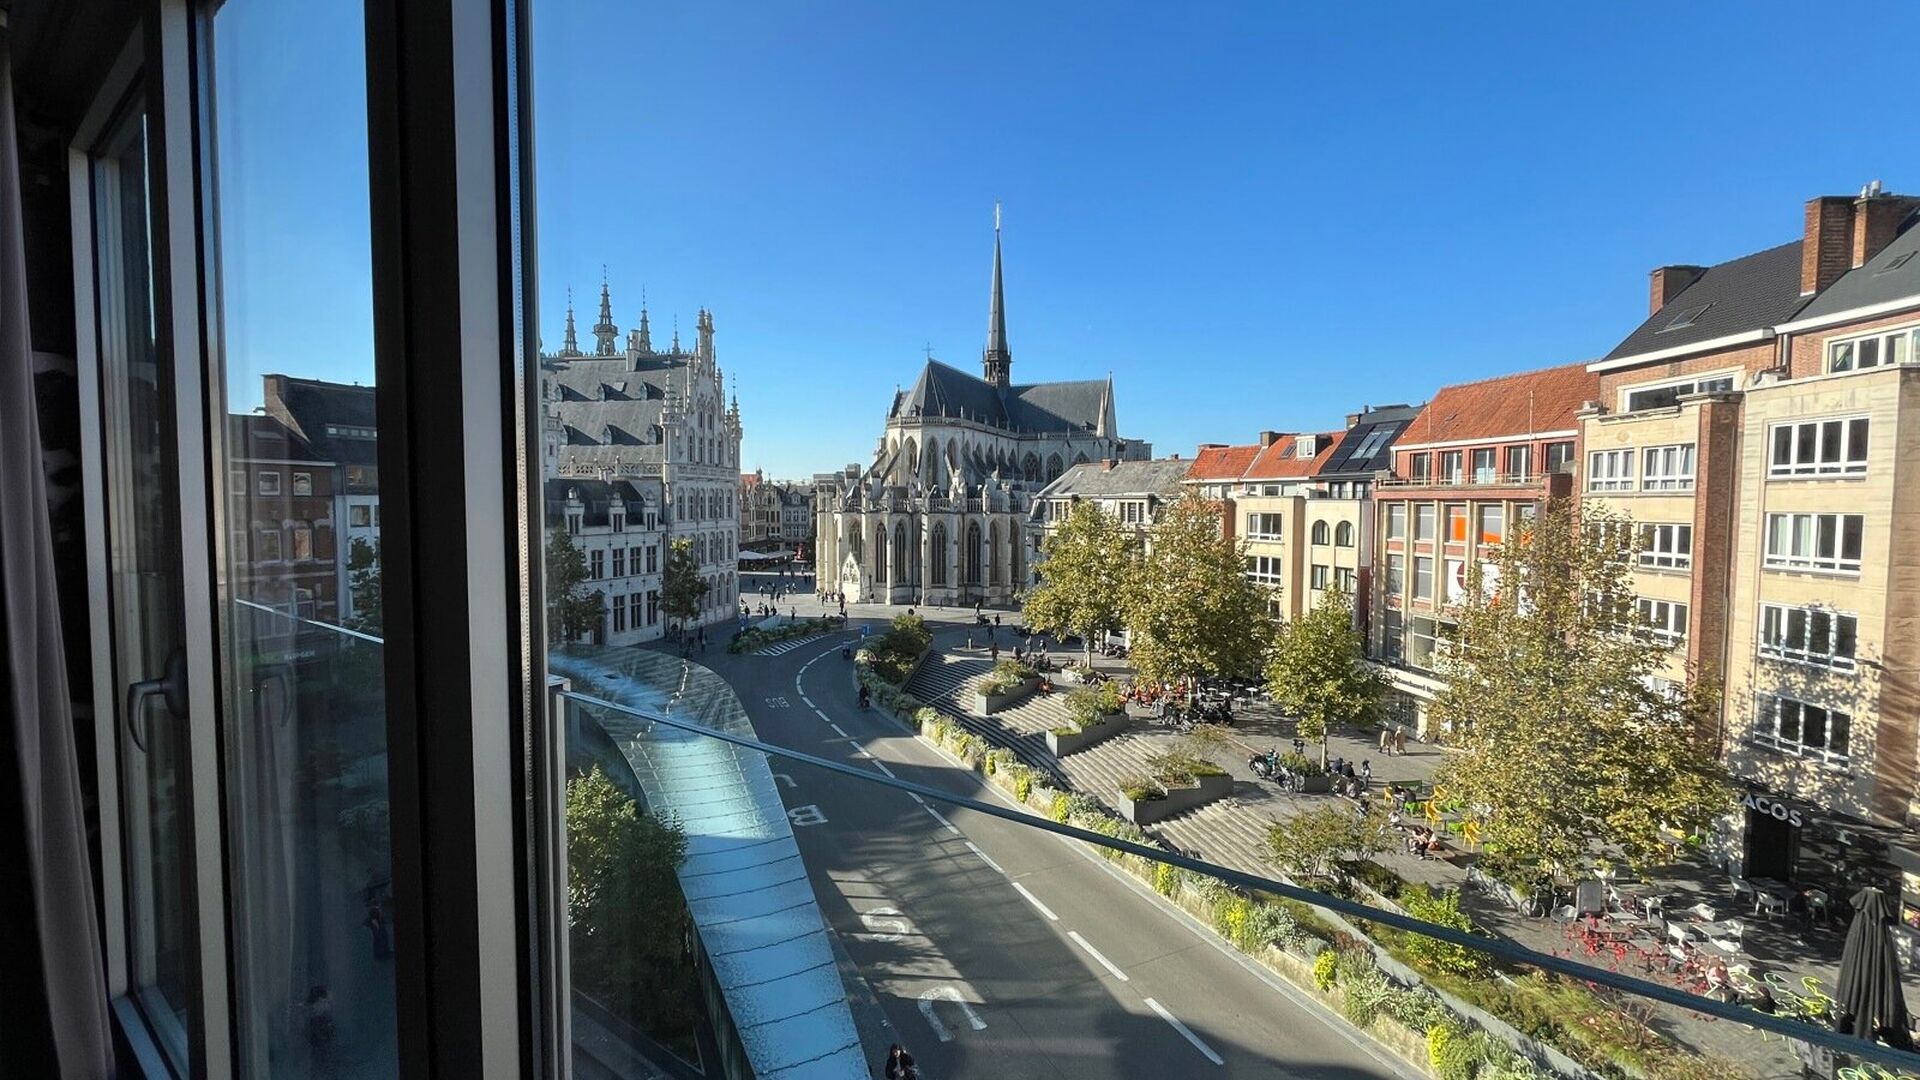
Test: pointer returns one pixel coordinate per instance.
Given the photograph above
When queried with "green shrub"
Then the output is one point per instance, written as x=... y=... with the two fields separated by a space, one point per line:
x=1432 y=954
x=1418 y=1009
x=1324 y=967
x=1089 y=704
x=1302 y=764
x=1166 y=879
x=1058 y=812
x=1023 y=785
x=1451 y=1053
x=1367 y=991
x=1142 y=789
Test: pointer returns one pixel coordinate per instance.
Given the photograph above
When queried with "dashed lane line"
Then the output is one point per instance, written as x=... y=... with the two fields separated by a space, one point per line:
x=1035 y=901
x=838 y=730
x=941 y=818
x=985 y=858
x=1198 y=1043
x=882 y=766
x=1095 y=953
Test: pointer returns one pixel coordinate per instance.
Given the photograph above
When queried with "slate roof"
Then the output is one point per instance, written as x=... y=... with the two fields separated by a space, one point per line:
x=1749 y=293
x=942 y=390
x=596 y=494
x=1345 y=460
x=310 y=406
x=266 y=438
x=1161 y=476
x=1222 y=462
x=1506 y=406
x=1894 y=274
x=1281 y=459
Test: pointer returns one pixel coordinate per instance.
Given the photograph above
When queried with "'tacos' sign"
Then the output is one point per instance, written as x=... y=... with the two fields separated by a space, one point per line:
x=1780 y=811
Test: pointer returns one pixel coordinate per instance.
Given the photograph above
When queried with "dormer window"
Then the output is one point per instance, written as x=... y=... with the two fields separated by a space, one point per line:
x=1305 y=446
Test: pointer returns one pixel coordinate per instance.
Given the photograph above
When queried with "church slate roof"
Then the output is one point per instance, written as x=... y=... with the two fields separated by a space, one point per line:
x=1752 y=292
x=597 y=495
x=1040 y=407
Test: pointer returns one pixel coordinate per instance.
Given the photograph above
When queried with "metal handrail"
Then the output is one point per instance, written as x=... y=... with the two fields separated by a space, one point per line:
x=1499 y=947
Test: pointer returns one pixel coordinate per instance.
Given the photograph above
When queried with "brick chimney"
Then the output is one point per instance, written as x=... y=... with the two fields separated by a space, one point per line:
x=1668 y=281
x=1826 y=251
x=1876 y=216
x=1106 y=464
x=1354 y=418
x=1267 y=437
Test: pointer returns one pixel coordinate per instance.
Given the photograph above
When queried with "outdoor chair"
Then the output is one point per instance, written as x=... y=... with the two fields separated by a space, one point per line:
x=1744 y=888
x=1770 y=904
x=1726 y=936
x=1702 y=912
x=1818 y=906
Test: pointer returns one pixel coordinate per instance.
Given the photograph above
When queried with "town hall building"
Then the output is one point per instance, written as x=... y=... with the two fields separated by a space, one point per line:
x=938 y=517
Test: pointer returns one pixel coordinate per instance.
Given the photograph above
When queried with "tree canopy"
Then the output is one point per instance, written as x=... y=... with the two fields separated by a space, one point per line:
x=1190 y=607
x=1317 y=672
x=363 y=583
x=1569 y=748
x=573 y=610
x=681 y=586
x=1084 y=576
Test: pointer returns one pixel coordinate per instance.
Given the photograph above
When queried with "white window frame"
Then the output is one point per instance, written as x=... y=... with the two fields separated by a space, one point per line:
x=1660 y=546
x=1845 y=465
x=1691 y=382
x=1618 y=473
x=1904 y=341
x=1266 y=569
x=1319 y=576
x=261 y=482
x=1677 y=463
x=1665 y=620
x=1773 y=639
x=1770 y=710
x=1399 y=533
x=1818 y=525
x=1257 y=527
x=1452 y=466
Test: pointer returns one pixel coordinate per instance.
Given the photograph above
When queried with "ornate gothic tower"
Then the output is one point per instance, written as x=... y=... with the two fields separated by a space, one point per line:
x=604 y=332
x=996 y=362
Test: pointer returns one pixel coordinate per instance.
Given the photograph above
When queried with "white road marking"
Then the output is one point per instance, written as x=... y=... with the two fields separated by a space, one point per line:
x=1035 y=901
x=785 y=779
x=947 y=993
x=806 y=815
x=984 y=857
x=882 y=766
x=1186 y=1031
x=937 y=816
x=803 y=697
x=884 y=924
x=1095 y=953
x=837 y=730
x=823 y=716
x=916 y=798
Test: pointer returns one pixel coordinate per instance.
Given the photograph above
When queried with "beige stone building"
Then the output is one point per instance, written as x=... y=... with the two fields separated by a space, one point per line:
x=1761 y=428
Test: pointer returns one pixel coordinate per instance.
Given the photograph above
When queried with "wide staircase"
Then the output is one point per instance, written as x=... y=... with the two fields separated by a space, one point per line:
x=946 y=682
x=1230 y=832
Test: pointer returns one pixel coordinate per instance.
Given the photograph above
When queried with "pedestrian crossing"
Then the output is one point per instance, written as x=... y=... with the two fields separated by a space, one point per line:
x=787 y=646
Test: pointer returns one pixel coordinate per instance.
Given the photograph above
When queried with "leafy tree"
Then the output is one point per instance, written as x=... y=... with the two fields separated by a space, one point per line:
x=1317 y=671
x=1190 y=607
x=681 y=586
x=1433 y=954
x=573 y=611
x=363 y=582
x=630 y=926
x=1311 y=843
x=1566 y=744
x=1083 y=578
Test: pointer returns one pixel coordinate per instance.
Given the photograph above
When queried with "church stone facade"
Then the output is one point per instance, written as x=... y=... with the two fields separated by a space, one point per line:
x=937 y=518
x=628 y=411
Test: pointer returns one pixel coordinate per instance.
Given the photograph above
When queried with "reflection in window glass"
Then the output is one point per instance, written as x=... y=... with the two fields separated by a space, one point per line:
x=307 y=820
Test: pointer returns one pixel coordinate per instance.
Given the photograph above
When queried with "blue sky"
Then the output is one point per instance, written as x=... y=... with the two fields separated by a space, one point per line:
x=1257 y=216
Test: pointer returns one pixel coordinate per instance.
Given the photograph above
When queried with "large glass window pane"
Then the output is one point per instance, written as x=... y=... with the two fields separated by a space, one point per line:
x=305 y=752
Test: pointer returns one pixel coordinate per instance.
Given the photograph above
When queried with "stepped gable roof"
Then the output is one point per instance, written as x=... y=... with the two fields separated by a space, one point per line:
x=1506 y=406
x=1215 y=462
x=1281 y=460
x=1374 y=433
x=1093 y=479
x=1890 y=276
x=1752 y=292
x=1046 y=407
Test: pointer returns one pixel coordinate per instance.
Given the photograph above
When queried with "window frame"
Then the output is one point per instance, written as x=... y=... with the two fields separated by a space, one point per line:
x=1770 y=714
x=1904 y=338
x=1845 y=464
x=1397 y=521
x=1655 y=555
x=1657 y=618
x=1611 y=480
x=1812 y=562
x=1666 y=454
x=1692 y=383
x=1777 y=614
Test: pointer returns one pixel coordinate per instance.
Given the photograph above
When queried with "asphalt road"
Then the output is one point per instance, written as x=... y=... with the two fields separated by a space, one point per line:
x=1001 y=951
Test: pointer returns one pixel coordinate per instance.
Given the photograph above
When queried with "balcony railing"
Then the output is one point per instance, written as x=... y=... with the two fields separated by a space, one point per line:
x=1466 y=480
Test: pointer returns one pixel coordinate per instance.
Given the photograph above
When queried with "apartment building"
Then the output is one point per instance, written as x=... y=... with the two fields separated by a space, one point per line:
x=1340 y=517
x=1477 y=460
x=1756 y=429
x=1270 y=514
x=282 y=520
x=1216 y=471
x=1134 y=493
x=620 y=528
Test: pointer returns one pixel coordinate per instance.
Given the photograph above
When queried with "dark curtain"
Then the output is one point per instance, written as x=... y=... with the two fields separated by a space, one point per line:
x=53 y=984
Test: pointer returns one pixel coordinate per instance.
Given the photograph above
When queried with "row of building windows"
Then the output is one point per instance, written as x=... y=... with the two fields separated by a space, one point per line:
x=1663 y=468
x=627 y=611
x=1486 y=462
x=1824 y=542
x=626 y=562
x=295 y=541
x=703 y=505
x=1487 y=524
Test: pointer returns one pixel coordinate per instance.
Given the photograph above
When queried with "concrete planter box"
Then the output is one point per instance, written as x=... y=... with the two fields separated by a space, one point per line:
x=1102 y=729
x=988 y=704
x=1179 y=800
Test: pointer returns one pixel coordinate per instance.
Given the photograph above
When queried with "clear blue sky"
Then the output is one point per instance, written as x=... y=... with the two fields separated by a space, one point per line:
x=1258 y=216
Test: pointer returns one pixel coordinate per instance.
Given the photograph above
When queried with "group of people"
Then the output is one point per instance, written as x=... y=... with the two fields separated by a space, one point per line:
x=1393 y=739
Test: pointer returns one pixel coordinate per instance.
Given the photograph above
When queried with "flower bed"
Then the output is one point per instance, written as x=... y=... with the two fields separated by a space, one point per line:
x=1096 y=715
x=1007 y=684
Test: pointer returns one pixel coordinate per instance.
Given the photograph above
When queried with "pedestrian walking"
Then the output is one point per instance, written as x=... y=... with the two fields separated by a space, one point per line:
x=899 y=1064
x=1366 y=769
x=996 y=618
x=1399 y=739
x=1386 y=739
x=994 y=649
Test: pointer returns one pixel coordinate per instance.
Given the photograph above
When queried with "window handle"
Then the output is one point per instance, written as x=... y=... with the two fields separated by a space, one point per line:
x=171 y=688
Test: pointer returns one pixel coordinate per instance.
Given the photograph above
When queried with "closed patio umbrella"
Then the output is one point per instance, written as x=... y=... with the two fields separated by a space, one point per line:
x=1868 y=1000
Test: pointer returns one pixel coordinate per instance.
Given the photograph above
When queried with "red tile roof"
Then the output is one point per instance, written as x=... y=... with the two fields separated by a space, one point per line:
x=1222 y=462
x=1280 y=461
x=1505 y=407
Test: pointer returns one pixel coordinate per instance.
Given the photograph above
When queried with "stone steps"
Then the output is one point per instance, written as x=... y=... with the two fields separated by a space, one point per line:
x=946 y=683
x=1228 y=832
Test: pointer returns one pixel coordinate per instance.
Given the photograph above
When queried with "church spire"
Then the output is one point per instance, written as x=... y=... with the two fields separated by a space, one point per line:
x=571 y=347
x=646 y=332
x=604 y=332
x=996 y=360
